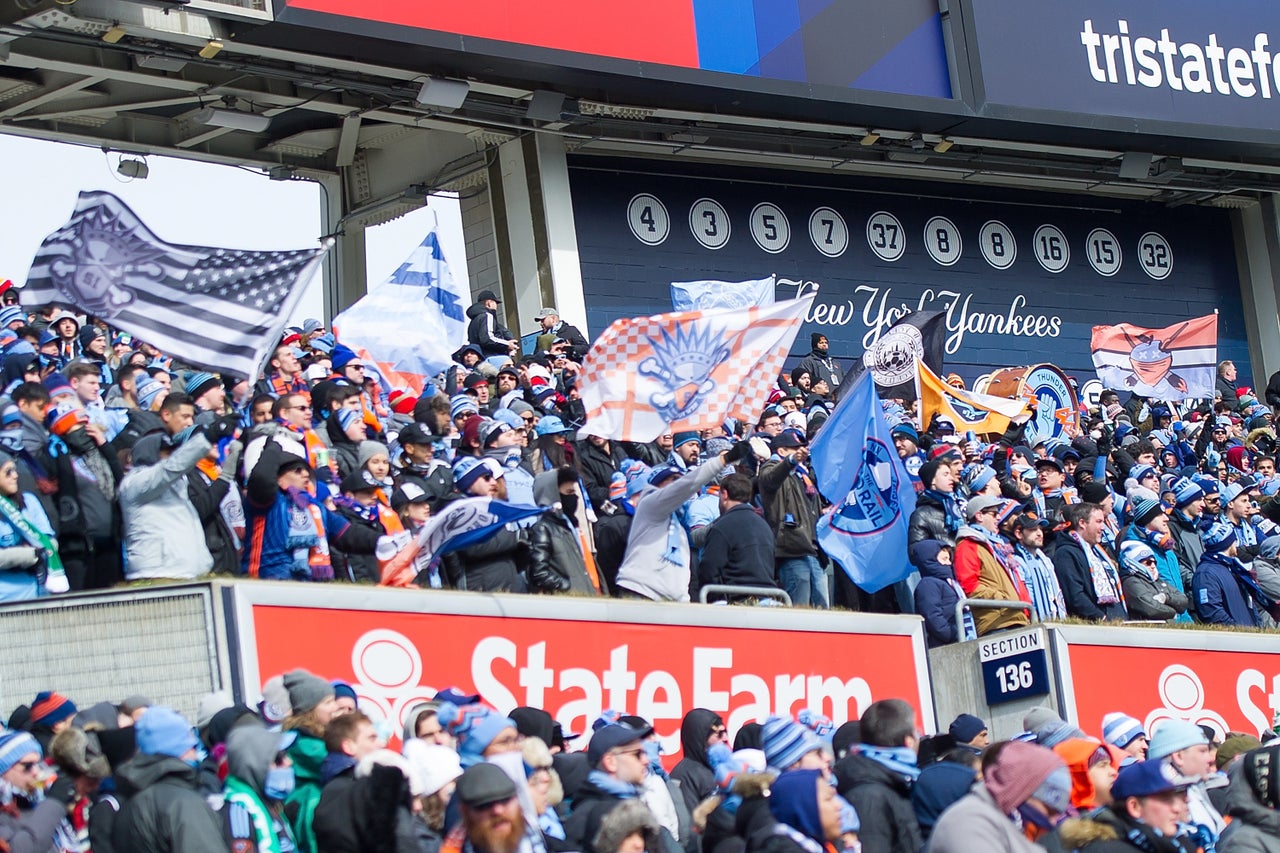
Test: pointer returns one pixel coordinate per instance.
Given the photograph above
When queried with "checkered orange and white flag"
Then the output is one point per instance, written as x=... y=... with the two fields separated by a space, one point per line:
x=687 y=370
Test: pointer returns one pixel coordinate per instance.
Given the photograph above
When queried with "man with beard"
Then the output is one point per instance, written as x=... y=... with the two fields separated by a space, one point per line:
x=492 y=821
x=819 y=364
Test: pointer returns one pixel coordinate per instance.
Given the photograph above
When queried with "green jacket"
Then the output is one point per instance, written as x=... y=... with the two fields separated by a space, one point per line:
x=783 y=493
x=308 y=753
x=249 y=819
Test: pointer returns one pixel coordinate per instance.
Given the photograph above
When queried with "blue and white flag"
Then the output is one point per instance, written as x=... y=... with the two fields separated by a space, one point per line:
x=220 y=309
x=709 y=295
x=857 y=467
x=410 y=324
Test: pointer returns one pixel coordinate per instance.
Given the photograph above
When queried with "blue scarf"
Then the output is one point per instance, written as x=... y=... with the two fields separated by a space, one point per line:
x=1244 y=577
x=899 y=760
x=951 y=506
x=612 y=786
x=675 y=537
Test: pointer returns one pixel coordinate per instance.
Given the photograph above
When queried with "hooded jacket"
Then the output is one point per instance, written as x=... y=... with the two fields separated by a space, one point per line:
x=486 y=332
x=975 y=822
x=1255 y=827
x=251 y=750
x=693 y=771
x=163 y=535
x=556 y=562
x=935 y=598
x=164 y=811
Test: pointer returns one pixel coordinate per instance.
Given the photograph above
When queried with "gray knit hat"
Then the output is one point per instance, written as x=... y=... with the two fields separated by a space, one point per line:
x=306 y=690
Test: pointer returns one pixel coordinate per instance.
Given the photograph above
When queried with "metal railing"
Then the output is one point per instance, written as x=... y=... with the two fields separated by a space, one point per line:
x=987 y=604
x=749 y=591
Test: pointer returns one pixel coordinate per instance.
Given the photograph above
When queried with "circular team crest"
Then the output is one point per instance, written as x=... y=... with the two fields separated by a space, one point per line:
x=1057 y=407
x=892 y=359
x=873 y=504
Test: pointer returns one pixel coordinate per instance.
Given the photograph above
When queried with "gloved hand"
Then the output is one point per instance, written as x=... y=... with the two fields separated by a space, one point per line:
x=231 y=461
x=223 y=427
x=737 y=453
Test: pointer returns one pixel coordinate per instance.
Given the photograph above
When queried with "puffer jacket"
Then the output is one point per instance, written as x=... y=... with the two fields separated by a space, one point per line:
x=981 y=576
x=929 y=521
x=784 y=494
x=1140 y=597
x=164 y=811
x=882 y=800
x=1254 y=827
x=164 y=537
x=935 y=597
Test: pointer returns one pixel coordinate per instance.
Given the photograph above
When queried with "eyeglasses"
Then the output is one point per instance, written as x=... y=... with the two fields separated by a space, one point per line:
x=638 y=753
x=506 y=741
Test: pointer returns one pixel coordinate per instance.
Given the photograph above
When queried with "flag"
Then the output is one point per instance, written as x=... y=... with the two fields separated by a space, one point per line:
x=967 y=410
x=857 y=467
x=219 y=309
x=1178 y=362
x=459 y=524
x=919 y=336
x=709 y=295
x=688 y=370
x=411 y=323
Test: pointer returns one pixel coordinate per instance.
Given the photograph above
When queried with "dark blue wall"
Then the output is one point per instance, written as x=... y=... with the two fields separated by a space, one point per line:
x=624 y=277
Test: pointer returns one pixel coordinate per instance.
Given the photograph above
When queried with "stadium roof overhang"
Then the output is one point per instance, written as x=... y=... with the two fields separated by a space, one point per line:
x=309 y=101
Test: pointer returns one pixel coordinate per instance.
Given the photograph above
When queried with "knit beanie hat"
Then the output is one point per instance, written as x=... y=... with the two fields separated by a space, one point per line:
x=1144 y=511
x=1020 y=770
x=1185 y=492
x=1120 y=729
x=1174 y=736
x=146 y=390
x=341 y=356
x=1219 y=537
x=12 y=314
x=928 y=471
x=369 y=449
x=402 y=402
x=15 y=746
x=306 y=690
x=785 y=742
x=460 y=404
x=200 y=382
x=347 y=417
x=163 y=731
x=1094 y=492
x=466 y=470
x=617 y=486
x=275 y=706
x=474 y=727
x=57 y=385
x=977 y=476
x=966 y=727
x=51 y=708
x=817 y=723
x=437 y=765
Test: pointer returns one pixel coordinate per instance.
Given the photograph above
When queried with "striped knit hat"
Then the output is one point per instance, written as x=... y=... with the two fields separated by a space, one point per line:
x=12 y=314
x=474 y=726
x=462 y=403
x=200 y=382
x=785 y=742
x=51 y=708
x=1120 y=729
x=15 y=746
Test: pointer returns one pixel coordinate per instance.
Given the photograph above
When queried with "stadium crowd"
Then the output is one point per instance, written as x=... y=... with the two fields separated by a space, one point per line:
x=307 y=770
x=117 y=464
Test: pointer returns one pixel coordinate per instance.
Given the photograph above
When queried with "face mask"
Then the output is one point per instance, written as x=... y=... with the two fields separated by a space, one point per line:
x=569 y=504
x=279 y=783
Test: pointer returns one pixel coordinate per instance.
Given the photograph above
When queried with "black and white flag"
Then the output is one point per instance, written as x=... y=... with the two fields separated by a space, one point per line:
x=220 y=309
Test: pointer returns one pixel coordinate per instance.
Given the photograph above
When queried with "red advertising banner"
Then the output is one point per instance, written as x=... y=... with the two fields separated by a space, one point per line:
x=576 y=658
x=1228 y=681
x=661 y=31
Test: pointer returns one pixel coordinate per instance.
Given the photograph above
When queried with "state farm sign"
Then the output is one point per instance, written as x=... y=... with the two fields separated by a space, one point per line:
x=576 y=657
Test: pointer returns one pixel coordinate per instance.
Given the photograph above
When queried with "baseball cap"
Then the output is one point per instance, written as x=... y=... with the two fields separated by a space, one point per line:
x=980 y=504
x=788 y=438
x=545 y=312
x=1148 y=778
x=611 y=737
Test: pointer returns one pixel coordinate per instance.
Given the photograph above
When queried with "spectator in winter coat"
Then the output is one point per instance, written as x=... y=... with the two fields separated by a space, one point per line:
x=1184 y=527
x=819 y=364
x=791 y=506
x=212 y=490
x=419 y=465
x=360 y=507
x=1018 y=779
x=656 y=565
x=313 y=706
x=26 y=824
x=985 y=568
x=1147 y=595
x=1223 y=588
x=739 y=546
x=163 y=532
x=25 y=532
x=938 y=592
x=699 y=731
x=938 y=514
x=877 y=778
x=619 y=766
x=807 y=811
x=492 y=818
x=259 y=778
x=1253 y=802
x=287 y=530
x=1088 y=576
x=486 y=331
x=164 y=810
x=598 y=458
x=557 y=558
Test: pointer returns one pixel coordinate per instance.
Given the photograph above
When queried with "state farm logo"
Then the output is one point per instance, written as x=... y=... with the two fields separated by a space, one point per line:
x=388 y=675
x=1182 y=695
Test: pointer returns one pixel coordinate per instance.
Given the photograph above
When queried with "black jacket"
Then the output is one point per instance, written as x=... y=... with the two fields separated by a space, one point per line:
x=611 y=532
x=739 y=549
x=590 y=807
x=1273 y=390
x=487 y=332
x=596 y=467
x=206 y=496
x=555 y=557
x=1072 y=569
x=693 y=772
x=929 y=521
x=883 y=802
x=784 y=494
x=164 y=811
x=370 y=814
x=1140 y=597
x=820 y=365
x=493 y=565
x=357 y=567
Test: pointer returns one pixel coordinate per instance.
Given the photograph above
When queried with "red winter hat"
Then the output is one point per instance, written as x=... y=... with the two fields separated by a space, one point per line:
x=1240 y=392
x=402 y=402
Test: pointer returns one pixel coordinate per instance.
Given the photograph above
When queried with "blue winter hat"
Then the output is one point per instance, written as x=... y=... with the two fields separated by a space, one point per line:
x=15 y=746
x=163 y=731
x=474 y=726
x=342 y=356
x=662 y=473
x=11 y=314
x=684 y=437
x=1209 y=485
x=785 y=742
x=819 y=724
x=323 y=343
x=1145 y=510
x=461 y=404
x=200 y=382
x=1141 y=472
x=1132 y=553
x=1230 y=492
x=1148 y=778
x=966 y=727
x=346 y=417
x=466 y=470
x=1218 y=537
x=1173 y=736
x=48 y=337
x=905 y=429
x=146 y=390
x=508 y=417
x=1185 y=492
x=976 y=477
x=1119 y=729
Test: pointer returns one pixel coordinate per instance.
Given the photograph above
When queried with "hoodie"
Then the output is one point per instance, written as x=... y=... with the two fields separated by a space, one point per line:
x=486 y=332
x=693 y=772
x=936 y=596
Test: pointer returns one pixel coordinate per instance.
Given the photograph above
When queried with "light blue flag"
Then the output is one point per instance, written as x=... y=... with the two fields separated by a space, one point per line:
x=857 y=467
x=410 y=324
x=709 y=295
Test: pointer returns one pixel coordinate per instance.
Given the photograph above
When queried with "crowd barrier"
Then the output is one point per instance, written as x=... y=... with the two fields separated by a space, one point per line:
x=578 y=656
